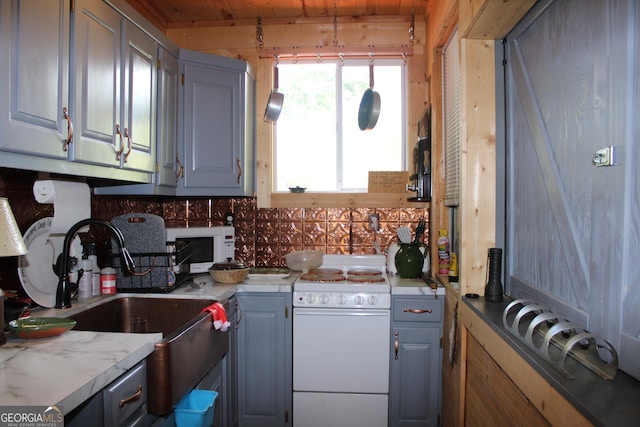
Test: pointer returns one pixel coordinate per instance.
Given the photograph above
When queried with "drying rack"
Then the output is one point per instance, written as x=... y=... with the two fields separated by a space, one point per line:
x=155 y=272
x=556 y=339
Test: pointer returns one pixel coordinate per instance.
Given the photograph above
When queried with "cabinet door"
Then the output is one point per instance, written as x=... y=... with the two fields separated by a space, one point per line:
x=213 y=150
x=97 y=96
x=213 y=381
x=167 y=137
x=139 y=88
x=264 y=360
x=415 y=377
x=230 y=368
x=34 y=75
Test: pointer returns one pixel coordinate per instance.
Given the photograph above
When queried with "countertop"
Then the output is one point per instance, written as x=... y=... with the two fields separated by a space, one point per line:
x=606 y=403
x=68 y=369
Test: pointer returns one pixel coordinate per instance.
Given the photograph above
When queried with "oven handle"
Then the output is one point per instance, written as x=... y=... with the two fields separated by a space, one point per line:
x=340 y=312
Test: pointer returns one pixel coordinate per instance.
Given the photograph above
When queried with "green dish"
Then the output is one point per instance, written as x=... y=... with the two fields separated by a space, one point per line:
x=40 y=327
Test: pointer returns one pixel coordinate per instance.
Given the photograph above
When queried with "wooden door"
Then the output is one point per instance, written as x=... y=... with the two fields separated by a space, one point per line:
x=572 y=227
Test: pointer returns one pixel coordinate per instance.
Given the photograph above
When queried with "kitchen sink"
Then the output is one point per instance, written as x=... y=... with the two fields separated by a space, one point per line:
x=189 y=349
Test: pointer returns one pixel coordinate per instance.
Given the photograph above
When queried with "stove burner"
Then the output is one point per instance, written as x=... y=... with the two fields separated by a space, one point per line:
x=323 y=275
x=366 y=279
x=364 y=272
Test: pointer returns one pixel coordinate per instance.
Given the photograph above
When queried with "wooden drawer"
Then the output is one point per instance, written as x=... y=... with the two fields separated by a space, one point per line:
x=131 y=390
x=407 y=309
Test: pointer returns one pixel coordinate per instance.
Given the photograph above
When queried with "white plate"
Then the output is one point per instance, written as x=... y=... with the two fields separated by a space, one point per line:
x=36 y=267
x=269 y=273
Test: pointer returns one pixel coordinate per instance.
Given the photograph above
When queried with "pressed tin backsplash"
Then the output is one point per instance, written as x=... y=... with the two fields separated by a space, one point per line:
x=263 y=236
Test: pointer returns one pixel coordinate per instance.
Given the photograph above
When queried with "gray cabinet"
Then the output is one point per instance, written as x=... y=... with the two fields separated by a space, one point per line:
x=216 y=126
x=415 y=372
x=167 y=171
x=120 y=403
x=114 y=89
x=213 y=381
x=78 y=90
x=230 y=368
x=34 y=81
x=264 y=356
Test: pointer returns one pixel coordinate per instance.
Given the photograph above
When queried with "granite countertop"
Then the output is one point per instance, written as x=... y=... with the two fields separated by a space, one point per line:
x=606 y=403
x=68 y=369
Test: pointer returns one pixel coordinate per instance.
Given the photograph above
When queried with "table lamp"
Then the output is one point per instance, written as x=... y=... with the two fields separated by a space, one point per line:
x=11 y=244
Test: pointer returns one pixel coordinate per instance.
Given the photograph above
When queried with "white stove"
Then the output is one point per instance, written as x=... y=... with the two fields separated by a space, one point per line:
x=341 y=343
x=345 y=281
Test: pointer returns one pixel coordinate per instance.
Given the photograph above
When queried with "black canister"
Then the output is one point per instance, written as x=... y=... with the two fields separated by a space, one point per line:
x=493 y=291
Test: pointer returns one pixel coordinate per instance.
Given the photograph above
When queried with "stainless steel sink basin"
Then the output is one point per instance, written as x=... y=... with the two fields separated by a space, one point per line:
x=189 y=349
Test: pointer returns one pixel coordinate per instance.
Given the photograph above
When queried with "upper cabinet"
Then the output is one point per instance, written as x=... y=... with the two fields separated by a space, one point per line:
x=114 y=89
x=79 y=89
x=90 y=88
x=34 y=91
x=216 y=126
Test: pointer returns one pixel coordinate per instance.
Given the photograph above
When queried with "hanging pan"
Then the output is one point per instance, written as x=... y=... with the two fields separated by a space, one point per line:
x=274 y=106
x=369 y=105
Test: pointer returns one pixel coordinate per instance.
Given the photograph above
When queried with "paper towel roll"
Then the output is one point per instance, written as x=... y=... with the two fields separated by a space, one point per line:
x=71 y=202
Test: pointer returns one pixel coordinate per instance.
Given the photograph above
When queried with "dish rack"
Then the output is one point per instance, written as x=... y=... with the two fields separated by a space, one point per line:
x=155 y=272
x=557 y=340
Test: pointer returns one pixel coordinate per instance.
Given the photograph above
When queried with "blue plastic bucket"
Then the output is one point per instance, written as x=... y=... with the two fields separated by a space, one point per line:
x=196 y=409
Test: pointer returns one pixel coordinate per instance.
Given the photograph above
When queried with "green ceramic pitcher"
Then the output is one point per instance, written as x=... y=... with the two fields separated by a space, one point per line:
x=410 y=260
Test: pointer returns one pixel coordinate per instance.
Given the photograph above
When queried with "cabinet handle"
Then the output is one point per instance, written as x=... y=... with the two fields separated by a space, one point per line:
x=180 y=173
x=396 y=345
x=239 y=170
x=69 y=139
x=119 y=152
x=129 y=144
x=131 y=398
x=239 y=314
x=416 y=310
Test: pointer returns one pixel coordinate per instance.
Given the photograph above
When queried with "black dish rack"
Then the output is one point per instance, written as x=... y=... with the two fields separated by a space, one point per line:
x=155 y=272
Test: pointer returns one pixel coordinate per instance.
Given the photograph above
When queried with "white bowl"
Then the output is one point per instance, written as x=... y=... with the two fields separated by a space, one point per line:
x=304 y=260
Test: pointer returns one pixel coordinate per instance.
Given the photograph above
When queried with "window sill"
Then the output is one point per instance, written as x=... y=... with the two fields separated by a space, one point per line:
x=344 y=200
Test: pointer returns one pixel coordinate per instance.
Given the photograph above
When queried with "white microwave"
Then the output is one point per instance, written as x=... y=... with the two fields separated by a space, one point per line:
x=197 y=248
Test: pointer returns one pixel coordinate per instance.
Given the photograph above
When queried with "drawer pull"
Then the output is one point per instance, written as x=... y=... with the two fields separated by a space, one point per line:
x=416 y=310
x=132 y=398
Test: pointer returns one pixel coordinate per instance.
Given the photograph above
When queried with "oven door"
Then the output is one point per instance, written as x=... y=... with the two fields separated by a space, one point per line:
x=341 y=350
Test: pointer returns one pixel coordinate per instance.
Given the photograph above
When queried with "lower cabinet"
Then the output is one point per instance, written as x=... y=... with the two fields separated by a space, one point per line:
x=416 y=360
x=230 y=369
x=264 y=356
x=122 y=403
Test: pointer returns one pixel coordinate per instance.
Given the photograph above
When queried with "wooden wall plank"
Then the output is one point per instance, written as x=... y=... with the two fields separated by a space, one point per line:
x=491 y=397
x=477 y=210
x=491 y=19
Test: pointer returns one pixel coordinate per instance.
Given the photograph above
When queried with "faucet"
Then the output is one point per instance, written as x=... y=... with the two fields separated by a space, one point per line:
x=63 y=292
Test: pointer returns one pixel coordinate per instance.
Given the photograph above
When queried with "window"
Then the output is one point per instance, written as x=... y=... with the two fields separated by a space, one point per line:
x=318 y=143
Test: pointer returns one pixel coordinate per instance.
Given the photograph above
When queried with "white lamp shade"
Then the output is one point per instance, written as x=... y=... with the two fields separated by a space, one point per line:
x=11 y=243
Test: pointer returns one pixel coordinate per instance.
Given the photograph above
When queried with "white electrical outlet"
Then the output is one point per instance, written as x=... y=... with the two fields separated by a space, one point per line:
x=374 y=222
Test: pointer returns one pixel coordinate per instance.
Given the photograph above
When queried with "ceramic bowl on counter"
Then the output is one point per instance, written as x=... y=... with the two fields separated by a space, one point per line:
x=40 y=327
x=304 y=260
